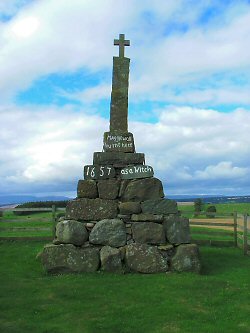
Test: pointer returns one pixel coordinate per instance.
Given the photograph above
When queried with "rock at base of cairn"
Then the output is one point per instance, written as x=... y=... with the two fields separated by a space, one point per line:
x=143 y=258
x=66 y=258
x=71 y=232
x=186 y=259
x=111 y=260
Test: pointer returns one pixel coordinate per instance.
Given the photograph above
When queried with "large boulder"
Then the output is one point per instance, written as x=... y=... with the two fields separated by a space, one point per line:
x=177 y=229
x=159 y=206
x=148 y=232
x=71 y=232
x=108 y=189
x=67 y=258
x=111 y=260
x=130 y=207
x=186 y=259
x=143 y=189
x=110 y=232
x=91 y=209
x=87 y=189
x=143 y=258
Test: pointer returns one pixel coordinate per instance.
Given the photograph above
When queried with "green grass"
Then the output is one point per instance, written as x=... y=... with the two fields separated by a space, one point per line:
x=241 y=208
x=215 y=302
x=37 y=220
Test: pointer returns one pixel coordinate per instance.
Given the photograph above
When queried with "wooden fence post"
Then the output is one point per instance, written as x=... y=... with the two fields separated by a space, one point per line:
x=53 y=221
x=245 y=245
x=235 y=229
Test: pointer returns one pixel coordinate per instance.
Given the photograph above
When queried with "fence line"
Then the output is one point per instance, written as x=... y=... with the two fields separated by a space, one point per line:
x=239 y=232
x=52 y=220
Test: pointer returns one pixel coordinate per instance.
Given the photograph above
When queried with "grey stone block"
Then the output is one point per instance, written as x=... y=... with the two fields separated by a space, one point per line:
x=71 y=232
x=111 y=260
x=148 y=233
x=87 y=189
x=177 y=229
x=110 y=232
x=91 y=209
x=118 y=158
x=66 y=258
x=147 y=217
x=186 y=259
x=143 y=258
x=108 y=189
x=143 y=189
x=160 y=206
x=131 y=207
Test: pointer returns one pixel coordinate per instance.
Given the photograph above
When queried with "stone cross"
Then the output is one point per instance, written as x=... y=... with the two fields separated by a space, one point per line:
x=122 y=42
x=119 y=94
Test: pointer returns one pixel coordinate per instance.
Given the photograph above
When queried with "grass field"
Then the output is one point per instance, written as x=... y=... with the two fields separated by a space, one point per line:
x=216 y=301
x=241 y=208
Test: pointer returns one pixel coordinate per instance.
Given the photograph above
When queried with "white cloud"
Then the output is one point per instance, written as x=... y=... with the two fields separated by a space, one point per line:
x=222 y=170
x=44 y=38
x=48 y=148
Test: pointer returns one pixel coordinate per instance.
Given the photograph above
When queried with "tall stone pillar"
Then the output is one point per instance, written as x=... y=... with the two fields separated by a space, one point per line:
x=119 y=95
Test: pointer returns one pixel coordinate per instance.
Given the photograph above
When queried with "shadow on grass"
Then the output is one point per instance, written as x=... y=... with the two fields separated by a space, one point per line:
x=220 y=261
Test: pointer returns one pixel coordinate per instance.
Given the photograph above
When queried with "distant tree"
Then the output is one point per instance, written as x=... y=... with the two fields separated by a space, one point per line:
x=198 y=205
x=211 y=211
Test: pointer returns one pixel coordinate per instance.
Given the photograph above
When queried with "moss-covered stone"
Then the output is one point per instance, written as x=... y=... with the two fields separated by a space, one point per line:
x=186 y=259
x=108 y=189
x=71 y=232
x=143 y=258
x=110 y=232
x=91 y=209
x=148 y=232
x=143 y=189
x=67 y=258
x=87 y=189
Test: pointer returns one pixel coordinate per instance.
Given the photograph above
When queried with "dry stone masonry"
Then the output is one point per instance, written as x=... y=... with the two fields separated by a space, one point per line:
x=120 y=221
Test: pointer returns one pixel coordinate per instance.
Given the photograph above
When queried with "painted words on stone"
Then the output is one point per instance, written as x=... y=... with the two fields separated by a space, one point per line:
x=118 y=142
x=98 y=172
x=137 y=171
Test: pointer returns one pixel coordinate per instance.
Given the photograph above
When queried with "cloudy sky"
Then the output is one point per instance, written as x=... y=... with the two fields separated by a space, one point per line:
x=189 y=98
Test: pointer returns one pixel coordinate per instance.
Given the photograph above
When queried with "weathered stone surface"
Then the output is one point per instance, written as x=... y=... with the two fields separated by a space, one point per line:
x=108 y=189
x=123 y=142
x=67 y=258
x=147 y=217
x=177 y=229
x=87 y=189
x=148 y=233
x=143 y=189
x=145 y=258
x=186 y=259
x=111 y=259
x=137 y=171
x=119 y=95
x=71 y=232
x=99 y=172
x=131 y=207
x=91 y=209
x=118 y=158
x=110 y=232
x=162 y=206
x=124 y=184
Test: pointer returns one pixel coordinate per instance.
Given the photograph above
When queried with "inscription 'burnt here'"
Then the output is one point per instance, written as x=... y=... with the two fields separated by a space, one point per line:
x=118 y=142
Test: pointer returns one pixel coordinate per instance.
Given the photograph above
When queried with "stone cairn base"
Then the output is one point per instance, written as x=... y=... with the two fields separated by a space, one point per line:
x=120 y=221
x=121 y=225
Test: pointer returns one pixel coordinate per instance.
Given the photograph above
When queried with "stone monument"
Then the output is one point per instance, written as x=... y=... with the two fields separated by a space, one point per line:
x=120 y=221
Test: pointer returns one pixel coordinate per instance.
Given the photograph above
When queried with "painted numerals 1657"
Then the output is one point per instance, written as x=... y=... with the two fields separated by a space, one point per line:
x=98 y=172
